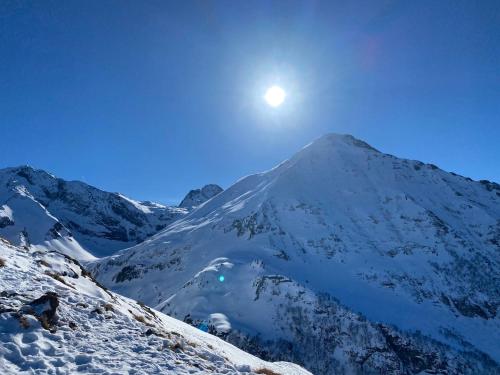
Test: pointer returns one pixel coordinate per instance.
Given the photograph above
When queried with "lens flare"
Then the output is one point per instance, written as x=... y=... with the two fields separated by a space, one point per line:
x=203 y=327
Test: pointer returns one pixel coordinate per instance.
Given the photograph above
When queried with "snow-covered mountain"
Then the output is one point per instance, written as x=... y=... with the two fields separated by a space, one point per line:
x=38 y=209
x=342 y=258
x=198 y=196
x=55 y=319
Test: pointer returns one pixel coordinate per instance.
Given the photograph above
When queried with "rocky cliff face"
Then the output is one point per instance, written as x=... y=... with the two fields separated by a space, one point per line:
x=392 y=265
x=38 y=209
x=197 y=197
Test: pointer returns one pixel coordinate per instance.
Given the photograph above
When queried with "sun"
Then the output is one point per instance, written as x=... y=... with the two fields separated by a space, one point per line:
x=275 y=96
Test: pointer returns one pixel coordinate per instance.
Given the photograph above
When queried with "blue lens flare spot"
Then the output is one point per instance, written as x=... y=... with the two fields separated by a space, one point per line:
x=203 y=327
x=221 y=278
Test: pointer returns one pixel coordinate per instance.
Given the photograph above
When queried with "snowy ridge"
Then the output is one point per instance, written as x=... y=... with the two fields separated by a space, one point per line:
x=39 y=209
x=339 y=227
x=54 y=319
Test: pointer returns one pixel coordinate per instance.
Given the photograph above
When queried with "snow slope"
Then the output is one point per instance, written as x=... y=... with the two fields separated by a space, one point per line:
x=39 y=209
x=398 y=259
x=54 y=319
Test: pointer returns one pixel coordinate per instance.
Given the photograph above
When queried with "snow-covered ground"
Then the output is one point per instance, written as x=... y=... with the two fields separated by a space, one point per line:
x=342 y=258
x=399 y=241
x=54 y=319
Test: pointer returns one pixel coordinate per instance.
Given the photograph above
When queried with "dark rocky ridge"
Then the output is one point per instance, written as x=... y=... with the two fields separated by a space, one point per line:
x=197 y=197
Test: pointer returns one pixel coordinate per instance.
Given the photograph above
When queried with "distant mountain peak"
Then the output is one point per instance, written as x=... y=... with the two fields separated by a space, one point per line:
x=34 y=204
x=197 y=197
x=27 y=172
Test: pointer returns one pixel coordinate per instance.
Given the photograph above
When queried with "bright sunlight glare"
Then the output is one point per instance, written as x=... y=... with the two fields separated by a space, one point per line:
x=275 y=96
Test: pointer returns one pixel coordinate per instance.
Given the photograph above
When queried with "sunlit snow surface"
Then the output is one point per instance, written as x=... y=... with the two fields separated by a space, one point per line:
x=394 y=239
x=101 y=332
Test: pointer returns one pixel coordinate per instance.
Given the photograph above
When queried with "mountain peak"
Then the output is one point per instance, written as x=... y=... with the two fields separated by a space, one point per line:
x=335 y=139
x=407 y=245
x=40 y=209
x=198 y=196
x=27 y=172
x=327 y=153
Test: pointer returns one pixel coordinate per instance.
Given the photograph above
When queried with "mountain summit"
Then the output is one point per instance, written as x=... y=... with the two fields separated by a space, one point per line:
x=341 y=258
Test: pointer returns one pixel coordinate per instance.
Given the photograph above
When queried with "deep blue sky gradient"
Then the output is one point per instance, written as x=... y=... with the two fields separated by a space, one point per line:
x=153 y=98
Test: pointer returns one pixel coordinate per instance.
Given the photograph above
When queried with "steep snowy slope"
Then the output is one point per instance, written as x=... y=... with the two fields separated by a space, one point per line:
x=298 y=256
x=54 y=319
x=39 y=209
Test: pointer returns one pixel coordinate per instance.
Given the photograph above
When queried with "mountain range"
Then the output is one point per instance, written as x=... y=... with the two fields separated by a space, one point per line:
x=39 y=209
x=342 y=259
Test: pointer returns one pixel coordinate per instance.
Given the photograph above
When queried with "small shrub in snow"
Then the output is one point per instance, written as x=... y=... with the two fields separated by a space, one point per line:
x=97 y=310
x=58 y=277
x=43 y=263
x=146 y=308
x=177 y=346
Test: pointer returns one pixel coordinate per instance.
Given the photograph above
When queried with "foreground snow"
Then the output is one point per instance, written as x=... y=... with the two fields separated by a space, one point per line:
x=54 y=319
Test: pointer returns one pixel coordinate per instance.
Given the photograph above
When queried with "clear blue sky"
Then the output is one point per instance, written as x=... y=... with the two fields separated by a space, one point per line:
x=153 y=98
